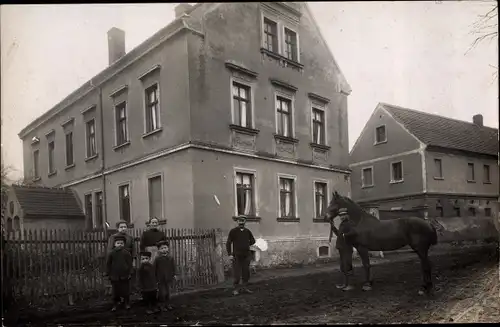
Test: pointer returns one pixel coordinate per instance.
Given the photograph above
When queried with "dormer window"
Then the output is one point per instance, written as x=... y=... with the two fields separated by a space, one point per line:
x=380 y=135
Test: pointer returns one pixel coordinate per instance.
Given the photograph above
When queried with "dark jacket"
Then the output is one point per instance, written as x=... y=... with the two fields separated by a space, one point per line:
x=147 y=277
x=129 y=242
x=346 y=231
x=150 y=237
x=119 y=264
x=164 y=267
x=240 y=240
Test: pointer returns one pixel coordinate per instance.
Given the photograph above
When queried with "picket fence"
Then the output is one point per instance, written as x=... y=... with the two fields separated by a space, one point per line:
x=43 y=267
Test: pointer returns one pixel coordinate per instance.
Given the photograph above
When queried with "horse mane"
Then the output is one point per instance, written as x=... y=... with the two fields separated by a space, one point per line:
x=363 y=211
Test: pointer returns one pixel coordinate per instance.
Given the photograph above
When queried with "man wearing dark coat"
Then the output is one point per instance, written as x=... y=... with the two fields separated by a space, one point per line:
x=345 y=248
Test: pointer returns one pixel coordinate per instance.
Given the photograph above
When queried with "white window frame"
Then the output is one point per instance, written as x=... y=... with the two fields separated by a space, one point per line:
x=116 y=105
x=94 y=211
x=324 y=108
x=327 y=194
x=363 y=185
x=66 y=148
x=150 y=176
x=91 y=193
x=292 y=111
x=129 y=183
x=487 y=181
x=253 y=172
x=392 y=175
x=53 y=156
x=375 y=135
x=442 y=171
x=144 y=88
x=473 y=172
x=250 y=85
x=284 y=41
x=295 y=191
x=36 y=170
x=278 y=30
x=87 y=138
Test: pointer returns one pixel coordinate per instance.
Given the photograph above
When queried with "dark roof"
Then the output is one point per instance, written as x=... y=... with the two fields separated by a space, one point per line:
x=44 y=201
x=446 y=132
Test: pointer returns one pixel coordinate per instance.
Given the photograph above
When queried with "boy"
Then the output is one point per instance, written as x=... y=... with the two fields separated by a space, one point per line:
x=122 y=227
x=147 y=282
x=165 y=273
x=119 y=269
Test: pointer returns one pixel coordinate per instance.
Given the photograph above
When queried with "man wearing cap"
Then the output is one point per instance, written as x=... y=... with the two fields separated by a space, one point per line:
x=345 y=248
x=238 y=244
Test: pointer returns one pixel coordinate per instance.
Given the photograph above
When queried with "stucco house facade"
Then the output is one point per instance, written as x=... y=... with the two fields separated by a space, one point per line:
x=231 y=109
x=408 y=162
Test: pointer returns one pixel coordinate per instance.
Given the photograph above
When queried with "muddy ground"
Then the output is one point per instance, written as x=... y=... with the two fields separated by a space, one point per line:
x=313 y=299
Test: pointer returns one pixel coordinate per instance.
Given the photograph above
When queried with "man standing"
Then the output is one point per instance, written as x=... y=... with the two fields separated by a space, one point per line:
x=238 y=245
x=345 y=249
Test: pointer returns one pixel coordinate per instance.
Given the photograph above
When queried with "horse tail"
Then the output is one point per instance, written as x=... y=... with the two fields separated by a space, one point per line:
x=434 y=236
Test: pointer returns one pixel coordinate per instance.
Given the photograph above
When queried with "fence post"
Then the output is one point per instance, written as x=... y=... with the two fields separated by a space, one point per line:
x=218 y=259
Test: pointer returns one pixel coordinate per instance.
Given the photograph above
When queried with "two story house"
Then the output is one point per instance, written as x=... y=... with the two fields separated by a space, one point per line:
x=231 y=109
x=408 y=162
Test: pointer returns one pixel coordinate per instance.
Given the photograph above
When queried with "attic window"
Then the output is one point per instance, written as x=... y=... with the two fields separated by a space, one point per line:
x=380 y=135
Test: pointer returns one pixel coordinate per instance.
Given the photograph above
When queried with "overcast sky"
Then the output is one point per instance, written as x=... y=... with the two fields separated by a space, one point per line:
x=405 y=53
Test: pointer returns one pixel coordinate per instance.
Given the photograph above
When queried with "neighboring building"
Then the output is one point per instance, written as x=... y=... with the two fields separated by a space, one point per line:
x=232 y=109
x=410 y=162
x=33 y=207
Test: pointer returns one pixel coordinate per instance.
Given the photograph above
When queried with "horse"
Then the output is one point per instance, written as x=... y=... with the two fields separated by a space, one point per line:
x=371 y=234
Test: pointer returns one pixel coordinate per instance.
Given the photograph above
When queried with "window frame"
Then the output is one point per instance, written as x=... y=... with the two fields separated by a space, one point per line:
x=250 y=87
x=118 y=120
x=149 y=177
x=486 y=177
x=51 y=157
x=291 y=99
x=69 y=164
x=36 y=164
x=146 y=87
x=438 y=174
x=391 y=171
x=469 y=165
x=294 y=196
x=95 y=204
x=326 y=199
x=472 y=211
x=120 y=208
x=89 y=220
x=277 y=42
x=320 y=108
x=88 y=139
x=363 y=185
x=297 y=48
x=486 y=210
x=376 y=135
x=253 y=172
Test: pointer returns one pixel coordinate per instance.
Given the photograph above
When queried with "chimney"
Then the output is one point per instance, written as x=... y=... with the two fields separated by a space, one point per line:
x=116 y=44
x=181 y=9
x=478 y=120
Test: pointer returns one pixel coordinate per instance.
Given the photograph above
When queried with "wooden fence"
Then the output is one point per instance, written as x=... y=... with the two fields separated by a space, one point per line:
x=43 y=267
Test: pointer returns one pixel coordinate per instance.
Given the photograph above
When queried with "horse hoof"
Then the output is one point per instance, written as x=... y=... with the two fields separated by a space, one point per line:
x=340 y=286
x=367 y=288
x=348 y=288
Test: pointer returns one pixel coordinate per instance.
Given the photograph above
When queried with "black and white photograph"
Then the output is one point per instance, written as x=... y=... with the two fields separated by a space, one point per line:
x=250 y=163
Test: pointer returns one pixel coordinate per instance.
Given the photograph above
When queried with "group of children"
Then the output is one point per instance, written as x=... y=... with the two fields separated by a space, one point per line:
x=154 y=276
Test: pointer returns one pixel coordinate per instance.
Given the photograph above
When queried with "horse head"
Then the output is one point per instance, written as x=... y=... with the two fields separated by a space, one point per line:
x=337 y=201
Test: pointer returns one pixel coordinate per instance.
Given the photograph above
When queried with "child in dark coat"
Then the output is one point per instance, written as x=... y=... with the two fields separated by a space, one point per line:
x=165 y=274
x=147 y=282
x=119 y=269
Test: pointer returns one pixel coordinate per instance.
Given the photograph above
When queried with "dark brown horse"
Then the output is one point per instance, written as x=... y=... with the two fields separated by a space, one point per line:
x=372 y=234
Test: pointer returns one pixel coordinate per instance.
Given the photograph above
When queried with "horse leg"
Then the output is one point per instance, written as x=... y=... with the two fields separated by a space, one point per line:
x=365 y=260
x=423 y=254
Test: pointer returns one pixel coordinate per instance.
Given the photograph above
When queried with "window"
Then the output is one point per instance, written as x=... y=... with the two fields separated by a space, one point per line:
x=380 y=135
x=397 y=171
x=283 y=108
x=17 y=223
x=290 y=44
x=121 y=123
x=69 y=149
x=270 y=35
x=438 y=166
x=11 y=207
x=457 y=211
x=287 y=197
x=487 y=212
x=99 y=210
x=472 y=211
x=486 y=174
x=124 y=197
x=88 y=209
x=36 y=170
x=439 y=210
x=242 y=109
x=9 y=224
x=52 y=169
x=155 y=197
x=320 y=193
x=367 y=177
x=91 y=142
x=245 y=194
x=318 y=126
x=470 y=172
x=152 y=109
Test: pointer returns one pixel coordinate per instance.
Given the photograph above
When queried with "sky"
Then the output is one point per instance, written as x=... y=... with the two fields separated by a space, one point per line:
x=411 y=54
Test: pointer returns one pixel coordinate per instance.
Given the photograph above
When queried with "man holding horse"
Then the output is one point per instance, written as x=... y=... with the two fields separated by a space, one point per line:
x=345 y=248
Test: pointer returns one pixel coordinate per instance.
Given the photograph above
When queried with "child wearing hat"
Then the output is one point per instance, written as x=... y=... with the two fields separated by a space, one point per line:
x=165 y=268
x=119 y=269
x=147 y=281
x=122 y=227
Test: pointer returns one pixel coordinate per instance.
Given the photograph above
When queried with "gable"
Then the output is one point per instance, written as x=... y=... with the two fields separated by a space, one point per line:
x=399 y=140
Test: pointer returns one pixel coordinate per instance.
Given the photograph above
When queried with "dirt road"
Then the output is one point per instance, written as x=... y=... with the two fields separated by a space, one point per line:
x=314 y=299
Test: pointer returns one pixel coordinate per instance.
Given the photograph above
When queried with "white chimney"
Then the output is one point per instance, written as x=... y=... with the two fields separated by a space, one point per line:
x=116 y=44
